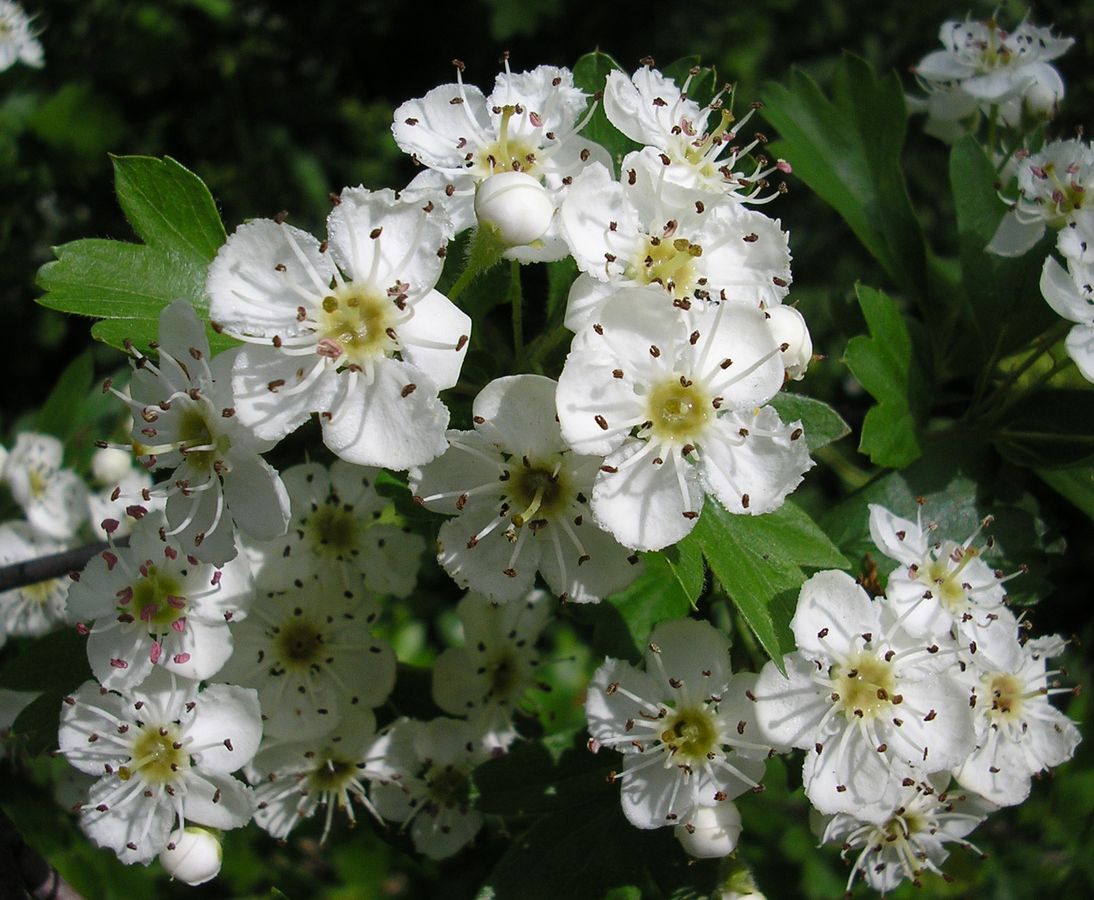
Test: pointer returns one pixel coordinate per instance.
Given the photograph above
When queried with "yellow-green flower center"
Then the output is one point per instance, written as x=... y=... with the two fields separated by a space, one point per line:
x=679 y=411
x=865 y=686
x=332 y=775
x=157 y=755
x=536 y=492
x=157 y=599
x=194 y=431
x=356 y=325
x=448 y=786
x=669 y=262
x=691 y=733
x=332 y=531
x=299 y=644
x=506 y=154
x=1006 y=694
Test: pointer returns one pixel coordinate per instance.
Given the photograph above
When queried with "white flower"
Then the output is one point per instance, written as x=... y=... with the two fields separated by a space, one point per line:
x=1019 y=733
x=674 y=399
x=696 y=246
x=484 y=679
x=184 y=420
x=34 y=608
x=911 y=839
x=943 y=588
x=993 y=67
x=699 y=147
x=192 y=857
x=53 y=499
x=685 y=727
x=153 y=606
x=309 y=653
x=712 y=831
x=339 y=521
x=520 y=497
x=528 y=124
x=109 y=465
x=1052 y=189
x=350 y=328
x=1070 y=293
x=292 y=780
x=421 y=778
x=18 y=43
x=870 y=706
x=164 y=752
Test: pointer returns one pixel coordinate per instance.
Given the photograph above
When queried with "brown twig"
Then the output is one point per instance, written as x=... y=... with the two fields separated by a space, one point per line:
x=56 y=565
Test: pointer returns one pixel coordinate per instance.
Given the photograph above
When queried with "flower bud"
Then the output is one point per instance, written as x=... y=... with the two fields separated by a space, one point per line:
x=1041 y=100
x=110 y=465
x=193 y=857
x=714 y=831
x=788 y=327
x=516 y=205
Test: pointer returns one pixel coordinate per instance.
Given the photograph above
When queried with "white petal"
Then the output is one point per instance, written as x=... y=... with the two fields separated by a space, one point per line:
x=218 y=801
x=272 y=414
x=225 y=714
x=643 y=504
x=262 y=275
x=899 y=539
x=693 y=652
x=395 y=422
x=1080 y=347
x=832 y=603
x=257 y=498
x=610 y=702
x=445 y=121
x=436 y=320
x=585 y=300
x=1015 y=238
x=483 y=566
x=789 y=709
x=517 y=414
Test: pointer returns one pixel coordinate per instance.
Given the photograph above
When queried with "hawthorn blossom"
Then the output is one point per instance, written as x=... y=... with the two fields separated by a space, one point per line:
x=151 y=605
x=520 y=500
x=675 y=401
x=123 y=493
x=339 y=521
x=944 y=589
x=685 y=726
x=1019 y=733
x=164 y=753
x=485 y=678
x=53 y=499
x=911 y=840
x=18 y=42
x=309 y=653
x=872 y=707
x=528 y=124
x=421 y=778
x=1052 y=188
x=185 y=420
x=1070 y=293
x=32 y=609
x=350 y=328
x=697 y=144
x=983 y=66
x=696 y=247
x=292 y=780
x=711 y=832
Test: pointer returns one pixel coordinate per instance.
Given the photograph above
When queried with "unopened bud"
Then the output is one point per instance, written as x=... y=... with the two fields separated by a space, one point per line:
x=196 y=856
x=788 y=327
x=110 y=465
x=714 y=831
x=516 y=205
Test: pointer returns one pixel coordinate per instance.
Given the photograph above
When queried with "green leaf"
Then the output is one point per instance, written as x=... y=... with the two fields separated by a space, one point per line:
x=685 y=561
x=884 y=363
x=53 y=662
x=527 y=781
x=847 y=149
x=1002 y=293
x=1077 y=485
x=1041 y=432
x=37 y=724
x=590 y=74
x=60 y=414
x=171 y=209
x=821 y=423
x=756 y=558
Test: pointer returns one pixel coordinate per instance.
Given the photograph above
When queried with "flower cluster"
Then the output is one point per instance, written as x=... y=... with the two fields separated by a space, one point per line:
x=891 y=699
x=987 y=70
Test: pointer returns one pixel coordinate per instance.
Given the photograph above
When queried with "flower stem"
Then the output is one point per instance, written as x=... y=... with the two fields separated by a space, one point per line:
x=516 y=303
x=484 y=253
